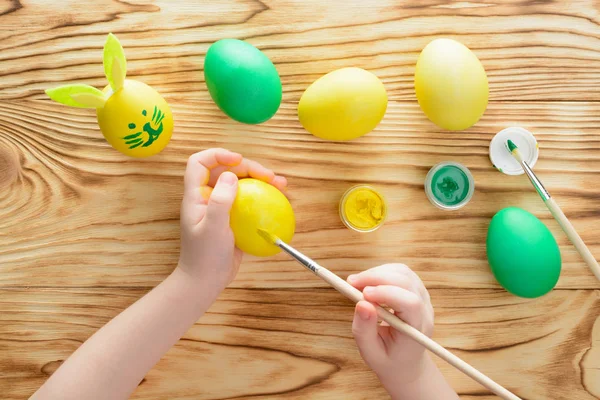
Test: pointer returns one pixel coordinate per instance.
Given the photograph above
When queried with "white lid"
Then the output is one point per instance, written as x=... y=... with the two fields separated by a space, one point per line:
x=501 y=157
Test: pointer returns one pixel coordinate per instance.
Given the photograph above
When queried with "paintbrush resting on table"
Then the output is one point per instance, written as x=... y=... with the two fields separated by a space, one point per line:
x=556 y=211
x=356 y=295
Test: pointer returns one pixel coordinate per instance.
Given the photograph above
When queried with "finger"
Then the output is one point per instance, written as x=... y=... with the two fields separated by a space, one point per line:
x=391 y=274
x=221 y=200
x=383 y=275
x=366 y=334
x=192 y=213
x=198 y=168
x=280 y=182
x=246 y=168
x=408 y=305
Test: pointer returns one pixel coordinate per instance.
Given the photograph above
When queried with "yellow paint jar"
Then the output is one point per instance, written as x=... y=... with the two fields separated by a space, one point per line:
x=363 y=208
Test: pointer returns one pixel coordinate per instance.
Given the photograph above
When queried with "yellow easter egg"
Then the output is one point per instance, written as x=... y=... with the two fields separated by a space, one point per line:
x=451 y=84
x=260 y=205
x=343 y=105
x=136 y=120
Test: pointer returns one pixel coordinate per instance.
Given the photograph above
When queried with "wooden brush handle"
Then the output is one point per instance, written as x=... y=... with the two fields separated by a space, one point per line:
x=356 y=295
x=573 y=236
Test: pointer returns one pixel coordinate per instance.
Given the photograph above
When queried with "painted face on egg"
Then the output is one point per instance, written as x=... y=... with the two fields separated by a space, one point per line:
x=136 y=120
x=132 y=116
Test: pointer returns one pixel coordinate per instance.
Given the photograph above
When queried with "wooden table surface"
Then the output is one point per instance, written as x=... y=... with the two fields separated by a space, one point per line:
x=85 y=231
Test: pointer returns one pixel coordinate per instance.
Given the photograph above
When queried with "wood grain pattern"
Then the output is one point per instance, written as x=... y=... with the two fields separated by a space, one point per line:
x=62 y=173
x=271 y=343
x=84 y=231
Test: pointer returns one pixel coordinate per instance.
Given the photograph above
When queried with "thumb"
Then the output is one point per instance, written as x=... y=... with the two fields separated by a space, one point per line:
x=221 y=199
x=366 y=333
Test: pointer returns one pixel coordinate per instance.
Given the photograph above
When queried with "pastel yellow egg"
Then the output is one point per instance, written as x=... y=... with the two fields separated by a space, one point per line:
x=343 y=105
x=260 y=205
x=451 y=84
x=136 y=120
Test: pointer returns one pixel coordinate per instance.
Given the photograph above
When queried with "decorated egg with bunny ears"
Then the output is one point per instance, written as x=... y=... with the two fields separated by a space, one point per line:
x=133 y=117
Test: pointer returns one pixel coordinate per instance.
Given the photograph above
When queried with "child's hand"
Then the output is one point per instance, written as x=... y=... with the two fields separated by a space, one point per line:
x=208 y=252
x=395 y=358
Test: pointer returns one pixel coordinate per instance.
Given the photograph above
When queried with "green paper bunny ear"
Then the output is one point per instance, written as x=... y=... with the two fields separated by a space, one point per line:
x=78 y=95
x=115 y=64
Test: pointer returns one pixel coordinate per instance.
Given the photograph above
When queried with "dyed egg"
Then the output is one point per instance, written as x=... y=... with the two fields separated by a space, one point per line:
x=136 y=120
x=242 y=81
x=132 y=116
x=522 y=253
x=451 y=84
x=343 y=105
x=260 y=205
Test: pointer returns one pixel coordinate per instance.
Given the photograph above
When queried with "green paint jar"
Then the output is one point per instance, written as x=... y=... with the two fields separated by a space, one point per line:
x=449 y=185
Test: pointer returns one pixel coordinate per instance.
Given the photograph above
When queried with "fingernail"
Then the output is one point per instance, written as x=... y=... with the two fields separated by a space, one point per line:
x=227 y=178
x=351 y=277
x=369 y=290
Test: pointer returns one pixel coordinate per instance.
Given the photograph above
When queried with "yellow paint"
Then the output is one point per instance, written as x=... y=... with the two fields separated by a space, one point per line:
x=363 y=208
x=451 y=84
x=343 y=105
x=259 y=205
x=123 y=116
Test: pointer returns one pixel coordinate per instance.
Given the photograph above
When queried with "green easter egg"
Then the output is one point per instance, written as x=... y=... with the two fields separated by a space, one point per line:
x=242 y=81
x=522 y=253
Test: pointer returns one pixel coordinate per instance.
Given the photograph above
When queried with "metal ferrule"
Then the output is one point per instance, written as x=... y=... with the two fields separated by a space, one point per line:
x=301 y=258
x=535 y=181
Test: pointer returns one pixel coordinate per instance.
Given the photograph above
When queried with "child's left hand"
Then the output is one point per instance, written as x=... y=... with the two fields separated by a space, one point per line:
x=208 y=251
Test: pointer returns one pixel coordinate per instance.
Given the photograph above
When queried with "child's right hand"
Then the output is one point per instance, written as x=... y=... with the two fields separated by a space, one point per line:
x=395 y=358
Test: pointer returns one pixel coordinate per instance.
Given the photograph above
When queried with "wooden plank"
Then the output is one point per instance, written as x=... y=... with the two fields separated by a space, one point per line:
x=84 y=231
x=531 y=50
x=270 y=344
x=75 y=212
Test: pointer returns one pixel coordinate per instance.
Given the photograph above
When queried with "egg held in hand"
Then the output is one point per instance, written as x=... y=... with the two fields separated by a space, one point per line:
x=132 y=116
x=451 y=84
x=344 y=104
x=522 y=253
x=259 y=205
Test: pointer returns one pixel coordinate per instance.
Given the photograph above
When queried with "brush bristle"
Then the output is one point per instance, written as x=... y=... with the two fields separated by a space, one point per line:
x=268 y=236
x=511 y=146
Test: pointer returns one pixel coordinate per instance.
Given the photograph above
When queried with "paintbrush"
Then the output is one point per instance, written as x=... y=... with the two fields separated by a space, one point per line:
x=356 y=295
x=556 y=211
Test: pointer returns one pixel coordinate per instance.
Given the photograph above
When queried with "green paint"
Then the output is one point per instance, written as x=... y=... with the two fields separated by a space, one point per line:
x=132 y=136
x=152 y=128
x=450 y=185
x=511 y=145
